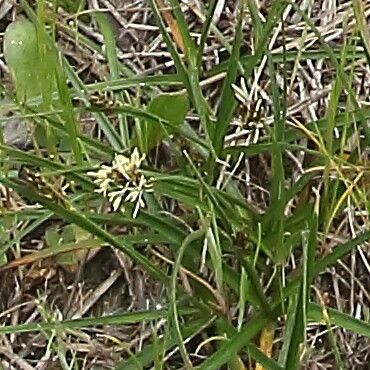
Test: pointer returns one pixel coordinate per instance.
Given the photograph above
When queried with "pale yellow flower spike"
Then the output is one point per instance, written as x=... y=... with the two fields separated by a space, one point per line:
x=130 y=188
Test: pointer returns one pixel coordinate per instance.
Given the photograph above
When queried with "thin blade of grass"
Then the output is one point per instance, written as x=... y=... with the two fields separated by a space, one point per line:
x=229 y=348
x=340 y=251
x=228 y=101
x=215 y=250
x=75 y=217
x=171 y=23
x=344 y=79
x=257 y=288
x=24 y=232
x=113 y=62
x=298 y=333
x=50 y=252
x=122 y=319
x=190 y=75
x=256 y=21
x=173 y=311
x=289 y=329
x=145 y=357
x=105 y=125
x=189 y=45
x=154 y=119
x=359 y=12
x=275 y=12
x=148 y=238
x=266 y=362
x=27 y=158
x=205 y=31
x=274 y=218
x=180 y=67
x=343 y=320
x=290 y=56
x=111 y=85
x=91 y=45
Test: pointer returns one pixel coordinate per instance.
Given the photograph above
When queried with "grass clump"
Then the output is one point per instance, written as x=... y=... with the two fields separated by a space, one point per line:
x=191 y=190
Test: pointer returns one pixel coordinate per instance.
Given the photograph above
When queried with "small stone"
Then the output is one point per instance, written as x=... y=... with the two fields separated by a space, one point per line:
x=15 y=132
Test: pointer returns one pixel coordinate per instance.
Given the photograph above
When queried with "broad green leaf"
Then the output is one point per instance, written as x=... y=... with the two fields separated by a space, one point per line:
x=21 y=55
x=52 y=237
x=171 y=108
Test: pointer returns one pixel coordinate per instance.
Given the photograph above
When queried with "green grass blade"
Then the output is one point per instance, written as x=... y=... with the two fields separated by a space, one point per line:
x=75 y=217
x=257 y=287
x=27 y=158
x=274 y=218
x=344 y=78
x=345 y=321
x=298 y=334
x=189 y=76
x=111 y=52
x=180 y=67
x=339 y=252
x=256 y=21
x=289 y=329
x=155 y=120
x=105 y=125
x=190 y=48
x=261 y=358
x=228 y=349
x=228 y=101
x=173 y=312
x=359 y=12
x=145 y=357
x=114 y=85
x=275 y=12
x=122 y=319
x=24 y=232
x=205 y=31
x=290 y=56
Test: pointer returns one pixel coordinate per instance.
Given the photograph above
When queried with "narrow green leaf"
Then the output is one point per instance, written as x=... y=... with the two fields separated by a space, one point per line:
x=274 y=219
x=256 y=21
x=173 y=311
x=260 y=357
x=228 y=101
x=122 y=319
x=146 y=356
x=190 y=48
x=345 y=321
x=113 y=62
x=28 y=158
x=74 y=216
x=257 y=288
x=343 y=77
x=290 y=56
x=339 y=252
x=230 y=347
x=105 y=125
x=359 y=12
x=205 y=30
x=180 y=67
